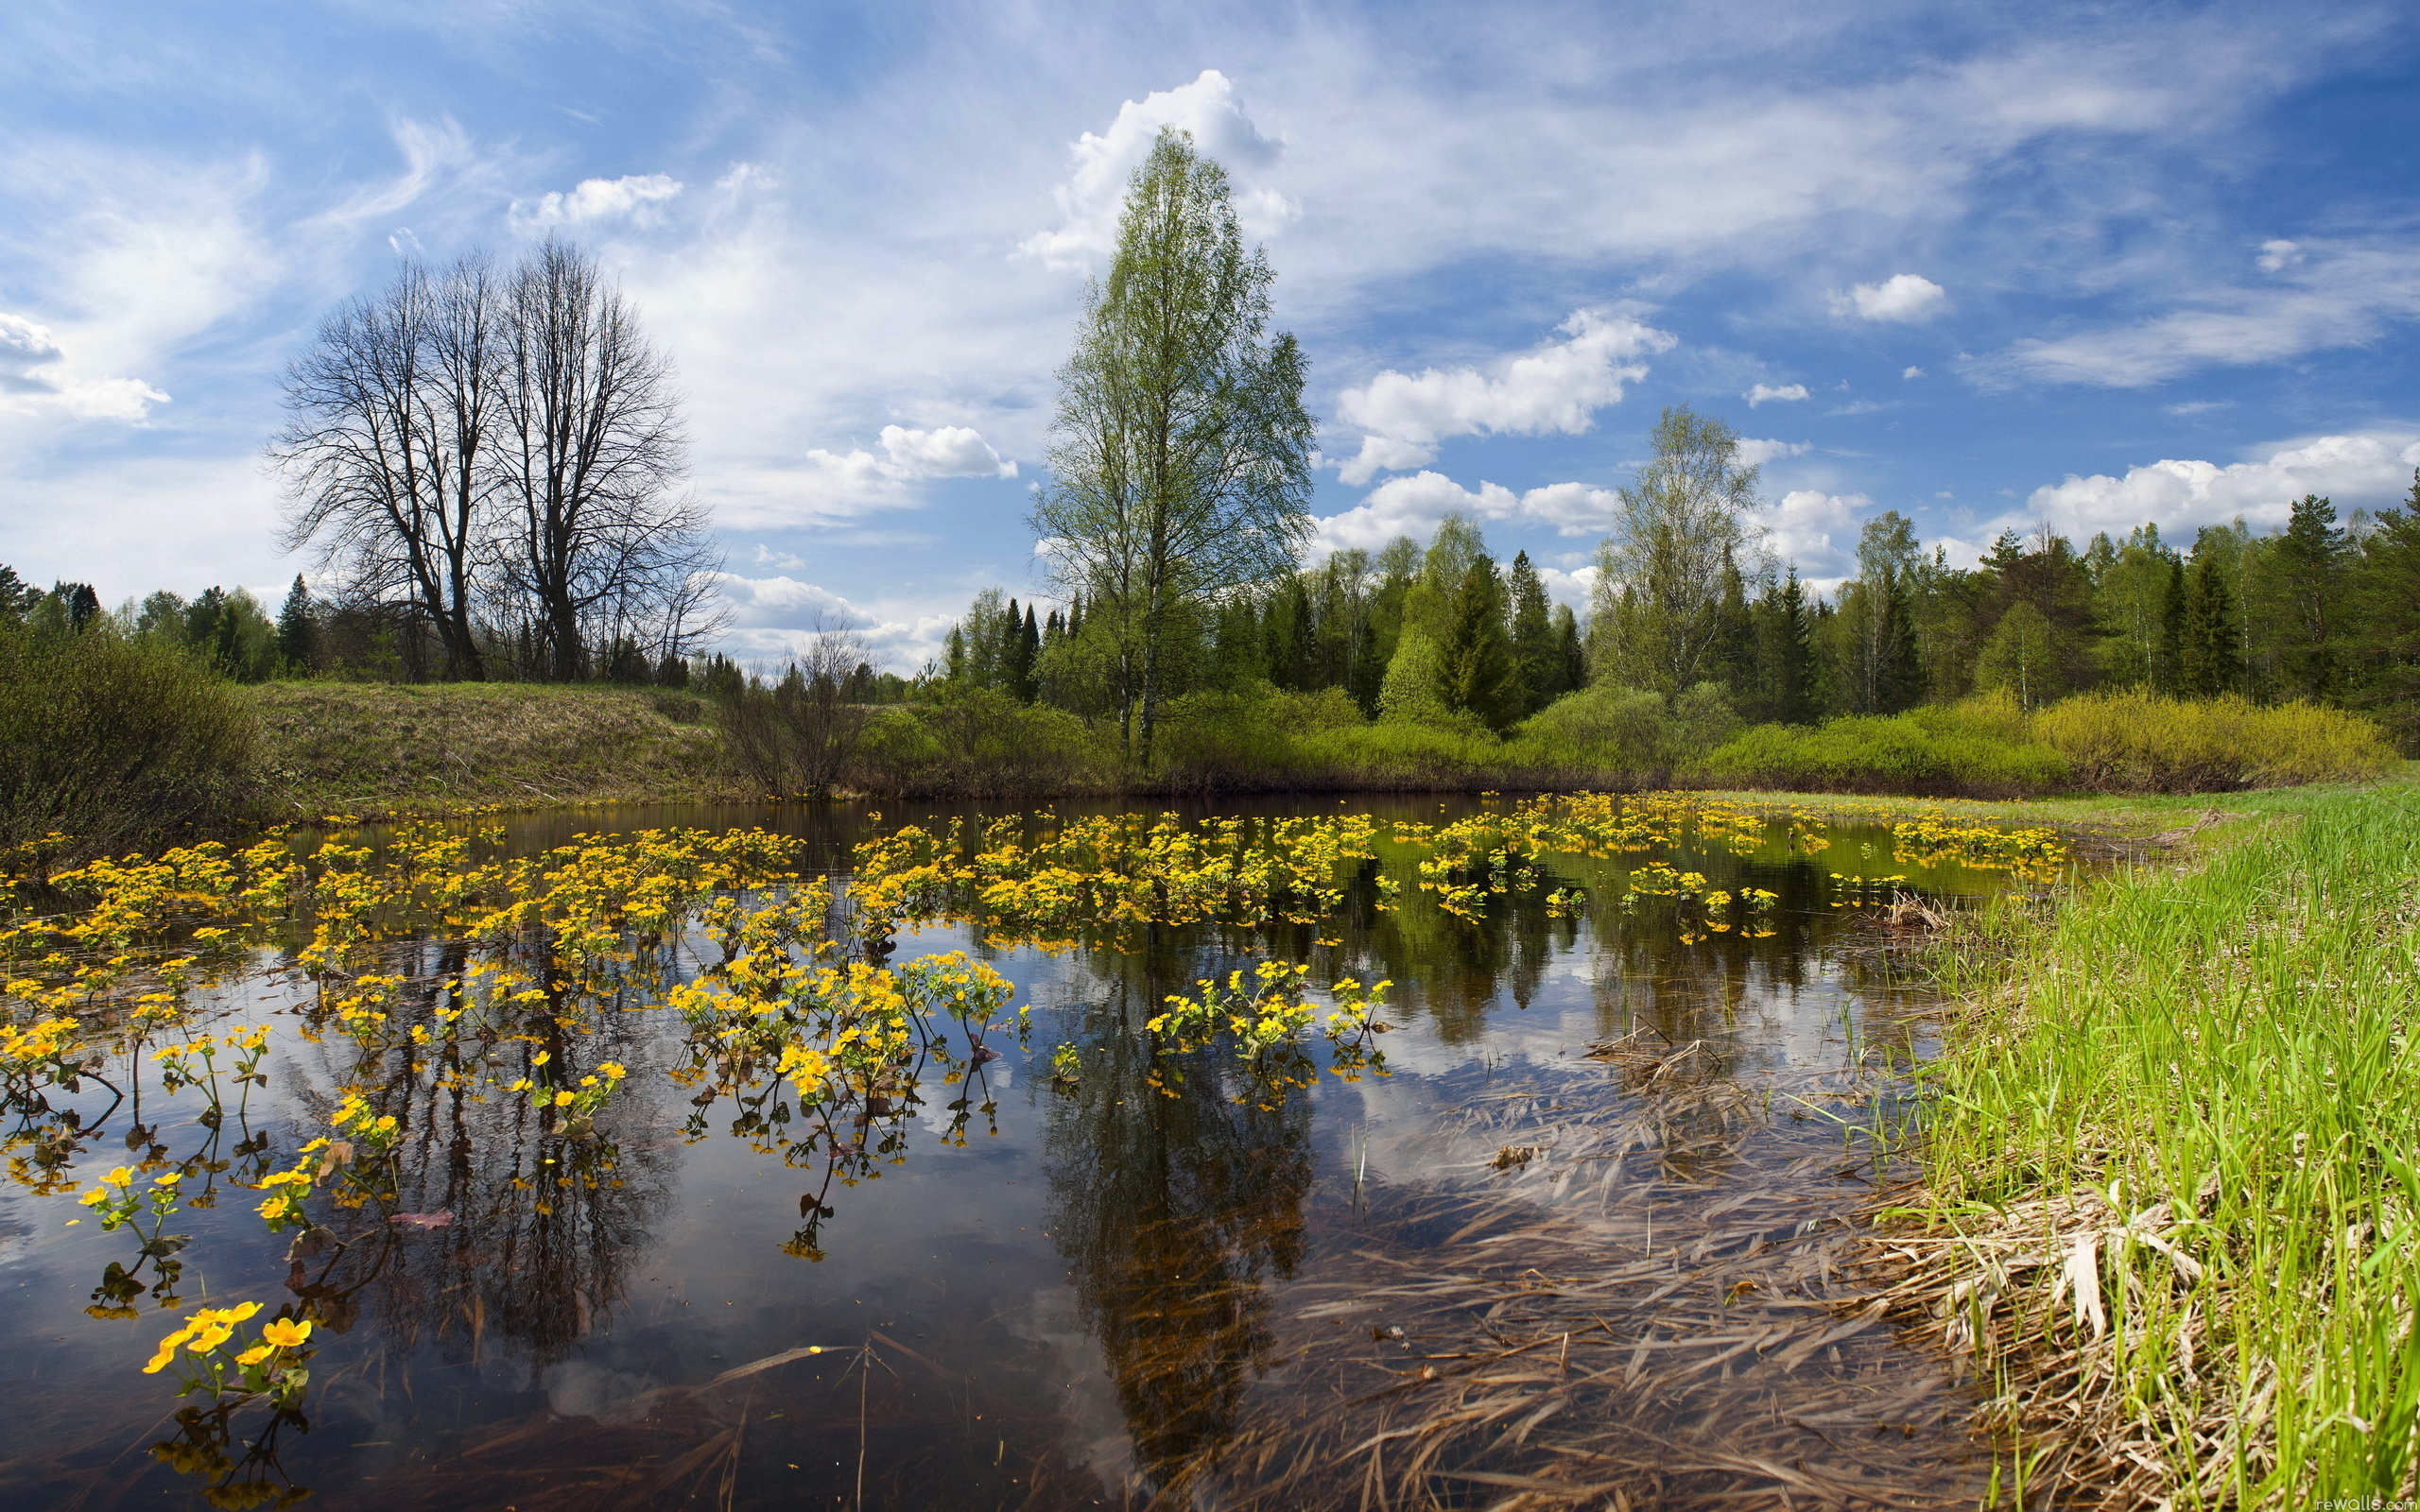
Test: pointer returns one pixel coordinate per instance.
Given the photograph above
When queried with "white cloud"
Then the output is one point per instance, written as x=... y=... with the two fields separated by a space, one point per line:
x=824 y=487
x=2278 y=255
x=1912 y=373
x=2197 y=406
x=1755 y=453
x=1412 y=505
x=1557 y=387
x=2365 y=469
x=1816 y=530
x=35 y=374
x=2337 y=294
x=773 y=619
x=948 y=452
x=1092 y=194
x=634 y=198
x=1784 y=393
x=1905 y=297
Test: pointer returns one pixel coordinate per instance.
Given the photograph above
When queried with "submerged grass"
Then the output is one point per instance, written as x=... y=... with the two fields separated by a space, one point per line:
x=2173 y=1216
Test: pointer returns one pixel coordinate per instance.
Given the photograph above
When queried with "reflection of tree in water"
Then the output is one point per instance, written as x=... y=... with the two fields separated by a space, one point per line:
x=496 y=1225
x=1175 y=1210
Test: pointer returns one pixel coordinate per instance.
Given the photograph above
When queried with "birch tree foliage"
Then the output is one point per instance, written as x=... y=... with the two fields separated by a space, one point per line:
x=1180 y=463
x=1659 y=579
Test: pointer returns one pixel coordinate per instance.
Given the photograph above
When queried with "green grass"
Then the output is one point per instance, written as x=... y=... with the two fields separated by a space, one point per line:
x=385 y=748
x=2188 y=1104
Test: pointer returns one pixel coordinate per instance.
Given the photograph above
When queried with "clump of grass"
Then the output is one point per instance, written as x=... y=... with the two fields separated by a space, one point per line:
x=2173 y=1210
x=2134 y=740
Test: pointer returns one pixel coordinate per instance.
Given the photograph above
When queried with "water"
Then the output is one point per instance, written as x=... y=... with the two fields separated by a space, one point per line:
x=1583 y=1243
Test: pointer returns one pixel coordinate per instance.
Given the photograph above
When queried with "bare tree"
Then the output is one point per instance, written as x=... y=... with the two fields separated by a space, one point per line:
x=594 y=543
x=799 y=736
x=388 y=416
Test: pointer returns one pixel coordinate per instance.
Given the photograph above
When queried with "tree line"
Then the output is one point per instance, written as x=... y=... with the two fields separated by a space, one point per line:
x=1174 y=523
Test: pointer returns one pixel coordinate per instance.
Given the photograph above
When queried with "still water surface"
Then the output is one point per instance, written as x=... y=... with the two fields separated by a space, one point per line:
x=1583 y=1245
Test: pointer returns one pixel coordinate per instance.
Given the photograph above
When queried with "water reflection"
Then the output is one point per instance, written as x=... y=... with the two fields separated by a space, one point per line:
x=1177 y=1199
x=1240 y=1253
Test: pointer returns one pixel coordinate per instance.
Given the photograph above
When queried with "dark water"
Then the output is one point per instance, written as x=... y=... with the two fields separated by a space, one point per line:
x=1582 y=1245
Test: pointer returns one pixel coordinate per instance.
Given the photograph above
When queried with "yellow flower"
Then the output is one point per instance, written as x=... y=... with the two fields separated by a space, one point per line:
x=563 y=1099
x=287 y=1333
x=168 y=1178
x=255 y=1355
x=613 y=1071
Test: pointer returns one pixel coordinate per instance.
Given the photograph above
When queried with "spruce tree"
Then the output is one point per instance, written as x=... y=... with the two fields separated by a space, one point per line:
x=2168 y=674
x=297 y=628
x=1571 y=652
x=1477 y=676
x=2212 y=659
x=1536 y=654
x=2306 y=562
x=1785 y=655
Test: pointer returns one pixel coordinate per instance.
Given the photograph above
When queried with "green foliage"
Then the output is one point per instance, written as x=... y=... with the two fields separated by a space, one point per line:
x=114 y=741
x=978 y=742
x=1180 y=465
x=1476 y=674
x=2133 y=741
x=1659 y=583
x=2194 y=1085
x=1961 y=750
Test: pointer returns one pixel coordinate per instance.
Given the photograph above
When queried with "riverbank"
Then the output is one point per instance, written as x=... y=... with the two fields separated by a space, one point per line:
x=2171 y=1197
x=387 y=749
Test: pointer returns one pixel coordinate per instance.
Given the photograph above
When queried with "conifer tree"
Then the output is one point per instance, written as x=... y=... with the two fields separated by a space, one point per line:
x=1571 y=652
x=298 y=630
x=1477 y=676
x=2212 y=657
x=1536 y=656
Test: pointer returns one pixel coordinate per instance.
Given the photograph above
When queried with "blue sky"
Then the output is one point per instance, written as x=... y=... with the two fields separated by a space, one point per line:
x=1988 y=265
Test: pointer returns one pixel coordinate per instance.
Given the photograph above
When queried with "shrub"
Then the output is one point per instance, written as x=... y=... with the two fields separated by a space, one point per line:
x=2139 y=742
x=1627 y=730
x=114 y=742
x=976 y=742
x=1968 y=749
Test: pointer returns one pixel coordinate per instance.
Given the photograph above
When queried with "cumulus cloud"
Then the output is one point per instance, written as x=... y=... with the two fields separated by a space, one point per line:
x=634 y=197
x=827 y=487
x=35 y=374
x=1090 y=197
x=1755 y=453
x=949 y=452
x=1762 y=393
x=1558 y=388
x=2337 y=294
x=1905 y=297
x=2362 y=468
x=773 y=619
x=1816 y=530
x=1412 y=505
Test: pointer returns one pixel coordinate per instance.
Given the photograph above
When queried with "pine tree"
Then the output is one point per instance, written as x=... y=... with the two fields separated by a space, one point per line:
x=1477 y=676
x=1732 y=659
x=1536 y=654
x=297 y=628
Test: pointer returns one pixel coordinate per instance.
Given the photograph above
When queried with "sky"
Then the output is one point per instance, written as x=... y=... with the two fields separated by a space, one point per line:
x=1992 y=267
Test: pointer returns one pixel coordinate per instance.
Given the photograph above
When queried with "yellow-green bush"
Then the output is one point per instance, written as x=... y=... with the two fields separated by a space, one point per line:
x=2138 y=742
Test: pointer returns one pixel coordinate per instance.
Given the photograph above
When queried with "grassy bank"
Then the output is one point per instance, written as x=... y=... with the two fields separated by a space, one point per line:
x=385 y=748
x=2174 y=1168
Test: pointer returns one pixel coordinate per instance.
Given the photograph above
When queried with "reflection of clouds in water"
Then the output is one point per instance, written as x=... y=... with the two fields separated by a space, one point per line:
x=1096 y=1435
